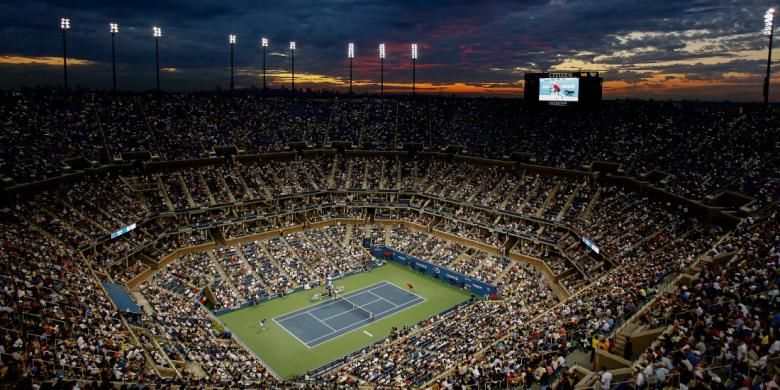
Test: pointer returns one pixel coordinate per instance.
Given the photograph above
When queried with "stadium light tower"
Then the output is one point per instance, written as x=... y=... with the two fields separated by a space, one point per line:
x=114 y=29
x=264 y=44
x=381 y=69
x=414 y=68
x=769 y=31
x=350 y=55
x=232 y=42
x=292 y=64
x=157 y=31
x=65 y=26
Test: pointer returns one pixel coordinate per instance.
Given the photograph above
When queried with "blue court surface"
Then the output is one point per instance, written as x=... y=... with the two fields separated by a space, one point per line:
x=324 y=321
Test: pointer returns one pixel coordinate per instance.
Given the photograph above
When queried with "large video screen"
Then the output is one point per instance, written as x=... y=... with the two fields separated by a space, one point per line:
x=559 y=89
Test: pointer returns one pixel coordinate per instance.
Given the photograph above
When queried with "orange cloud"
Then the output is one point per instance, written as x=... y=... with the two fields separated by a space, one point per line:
x=48 y=61
x=277 y=76
x=669 y=84
x=282 y=77
x=483 y=88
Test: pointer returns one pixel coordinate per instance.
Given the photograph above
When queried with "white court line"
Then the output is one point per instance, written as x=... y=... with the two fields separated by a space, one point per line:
x=291 y=333
x=382 y=299
x=402 y=308
x=367 y=289
x=305 y=310
x=324 y=304
x=345 y=312
x=409 y=292
x=321 y=322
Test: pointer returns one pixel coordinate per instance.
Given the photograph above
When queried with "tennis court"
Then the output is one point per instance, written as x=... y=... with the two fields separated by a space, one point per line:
x=319 y=323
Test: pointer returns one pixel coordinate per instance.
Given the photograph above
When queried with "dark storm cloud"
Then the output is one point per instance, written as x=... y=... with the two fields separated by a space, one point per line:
x=487 y=43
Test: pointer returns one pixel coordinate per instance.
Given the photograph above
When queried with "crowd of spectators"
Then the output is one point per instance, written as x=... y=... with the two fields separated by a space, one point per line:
x=56 y=319
x=703 y=148
x=55 y=246
x=722 y=328
x=186 y=332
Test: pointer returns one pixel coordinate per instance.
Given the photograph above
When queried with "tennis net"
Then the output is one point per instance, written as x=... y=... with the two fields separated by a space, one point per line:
x=354 y=306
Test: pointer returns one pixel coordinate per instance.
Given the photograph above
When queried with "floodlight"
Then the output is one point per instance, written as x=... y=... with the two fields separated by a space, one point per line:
x=292 y=65
x=351 y=50
x=769 y=21
x=414 y=69
x=264 y=44
x=157 y=31
x=113 y=28
x=769 y=32
x=382 y=50
x=65 y=26
x=232 y=39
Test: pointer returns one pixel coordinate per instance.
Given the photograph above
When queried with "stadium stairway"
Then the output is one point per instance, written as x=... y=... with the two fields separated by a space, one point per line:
x=569 y=201
x=204 y=184
x=264 y=190
x=222 y=274
x=348 y=236
x=226 y=188
x=268 y=255
x=458 y=260
x=241 y=182
x=513 y=191
x=364 y=183
x=184 y=190
x=397 y=180
x=164 y=194
x=388 y=236
x=550 y=197
x=505 y=272
x=217 y=236
x=309 y=178
x=348 y=183
x=142 y=302
x=594 y=200
x=278 y=183
x=255 y=275
x=168 y=371
x=332 y=174
x=495 y=192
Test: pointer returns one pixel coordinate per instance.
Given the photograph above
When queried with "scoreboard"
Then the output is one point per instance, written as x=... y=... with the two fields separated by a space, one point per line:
x=563 y=88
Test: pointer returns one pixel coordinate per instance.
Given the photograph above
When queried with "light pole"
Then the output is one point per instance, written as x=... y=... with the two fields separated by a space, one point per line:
x=157 y=31
x=232 y=42
x=381 y=69
x=114 y=29
x=350 y=55
x=769 y=31
x=65 y=26
x=292 y=64
x=414 y=68
x=264 y=44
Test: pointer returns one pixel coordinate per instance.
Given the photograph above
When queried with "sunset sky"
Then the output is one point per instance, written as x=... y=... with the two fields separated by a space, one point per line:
x=710 y=50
